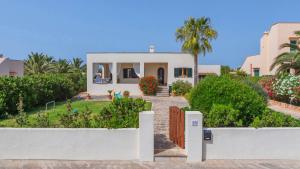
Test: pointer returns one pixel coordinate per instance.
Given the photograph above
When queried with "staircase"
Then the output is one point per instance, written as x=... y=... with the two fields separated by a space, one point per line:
x=162 y=91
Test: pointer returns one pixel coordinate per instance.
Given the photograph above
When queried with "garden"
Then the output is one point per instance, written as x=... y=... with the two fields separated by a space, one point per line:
x=120 y=113
x=241 y=101
x=23 y=99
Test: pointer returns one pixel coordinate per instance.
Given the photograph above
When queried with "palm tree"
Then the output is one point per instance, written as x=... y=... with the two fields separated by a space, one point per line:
x=196 y=35
x=62 y=66
x=38 y=63
x=77 y=65
x=288 y=60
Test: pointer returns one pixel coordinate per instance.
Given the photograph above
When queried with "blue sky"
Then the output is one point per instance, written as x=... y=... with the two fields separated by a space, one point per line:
x=71 y=28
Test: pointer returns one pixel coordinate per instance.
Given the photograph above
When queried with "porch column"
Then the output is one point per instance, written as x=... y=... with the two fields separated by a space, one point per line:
x=142 y=69
x=114 y=72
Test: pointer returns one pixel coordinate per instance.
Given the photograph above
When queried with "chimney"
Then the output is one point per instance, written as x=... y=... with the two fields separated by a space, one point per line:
x=151 y=48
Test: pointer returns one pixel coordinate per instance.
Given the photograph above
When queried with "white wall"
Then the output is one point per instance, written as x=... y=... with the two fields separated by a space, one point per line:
x=80 y=143
x=69 y=144
x=209 y=69
x=251 y=143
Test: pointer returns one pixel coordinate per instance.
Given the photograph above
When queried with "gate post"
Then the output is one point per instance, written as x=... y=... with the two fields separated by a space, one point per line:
x=146 y=136
x=193 y=135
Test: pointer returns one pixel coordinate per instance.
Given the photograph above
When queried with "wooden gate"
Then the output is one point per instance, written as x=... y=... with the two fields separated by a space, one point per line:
x=176 y=126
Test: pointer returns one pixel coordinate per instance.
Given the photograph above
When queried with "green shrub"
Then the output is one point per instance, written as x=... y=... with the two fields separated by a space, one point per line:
x=181 y=87
x=271 y=118
x=42 y=120
x=22 y=118
x=227 y=91
x=223 y=116
x=36 y=90
x=148 y=85
x=122 y=113
x=258 y=88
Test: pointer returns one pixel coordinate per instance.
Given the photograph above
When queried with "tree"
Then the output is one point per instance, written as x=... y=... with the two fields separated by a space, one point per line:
x=38 y=63
x=77 y=65
x=288 y=60
x=62 y=66
x=225 y=70
x=196 y=35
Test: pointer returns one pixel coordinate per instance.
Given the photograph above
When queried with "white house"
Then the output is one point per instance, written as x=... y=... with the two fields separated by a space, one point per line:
x=121 y=71
x=9 y=67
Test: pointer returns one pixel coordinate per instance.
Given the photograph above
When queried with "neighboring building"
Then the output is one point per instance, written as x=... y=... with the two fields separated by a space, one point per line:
x=9 y=67
x=204 y=70
x=270 y=42
x=121 y=71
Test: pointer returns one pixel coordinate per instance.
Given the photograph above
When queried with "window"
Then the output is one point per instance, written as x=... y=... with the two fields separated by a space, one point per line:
x=183 y=72
x=293 y=47
x=129 y=73
x=256 y=72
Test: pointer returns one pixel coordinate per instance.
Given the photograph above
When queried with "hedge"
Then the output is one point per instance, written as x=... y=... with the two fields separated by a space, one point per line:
x=227 y=91
x=36 y=90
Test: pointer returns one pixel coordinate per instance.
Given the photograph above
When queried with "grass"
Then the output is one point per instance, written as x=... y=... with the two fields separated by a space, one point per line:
x=60 y=108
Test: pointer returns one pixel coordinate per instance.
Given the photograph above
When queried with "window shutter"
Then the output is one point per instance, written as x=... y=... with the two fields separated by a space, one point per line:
x=125 y=73
x=176 y=72
x=190 y=72
x=293 y=45
x=180 y=72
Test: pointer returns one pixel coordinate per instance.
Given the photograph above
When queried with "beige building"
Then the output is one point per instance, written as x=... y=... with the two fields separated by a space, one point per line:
x=9 y=67
x=270 y=42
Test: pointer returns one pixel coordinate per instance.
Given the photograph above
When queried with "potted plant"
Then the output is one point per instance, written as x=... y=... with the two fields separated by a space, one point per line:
x=88 y=97
x=109 y=94
x=126 y=93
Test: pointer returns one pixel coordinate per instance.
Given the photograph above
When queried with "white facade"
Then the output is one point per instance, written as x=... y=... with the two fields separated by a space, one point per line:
x=270 y=48
x=9 y=67
x=209 y=69
x=147 y=63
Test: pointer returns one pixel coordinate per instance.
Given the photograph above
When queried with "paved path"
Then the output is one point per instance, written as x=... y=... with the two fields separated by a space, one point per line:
x=210 y=164
x=160 y=106
x=294 y=113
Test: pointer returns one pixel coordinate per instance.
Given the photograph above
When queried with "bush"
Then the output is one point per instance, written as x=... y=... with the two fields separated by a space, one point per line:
x=285 y=87
x=181 y=87
x=258 y=88
x=122 y=113
x=270 y=118
x=35 y=90
x=148 y=85
x=223 y=116
x=126 y=93
x=267 y=84
x=227 y=91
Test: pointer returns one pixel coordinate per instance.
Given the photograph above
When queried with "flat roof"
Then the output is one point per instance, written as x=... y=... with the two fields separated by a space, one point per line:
x=138 y=52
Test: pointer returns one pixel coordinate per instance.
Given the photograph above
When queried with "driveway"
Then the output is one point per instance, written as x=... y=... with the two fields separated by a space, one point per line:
x=210 y=164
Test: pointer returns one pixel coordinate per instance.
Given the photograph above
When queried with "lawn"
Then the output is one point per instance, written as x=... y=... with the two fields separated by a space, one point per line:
x=61 y=108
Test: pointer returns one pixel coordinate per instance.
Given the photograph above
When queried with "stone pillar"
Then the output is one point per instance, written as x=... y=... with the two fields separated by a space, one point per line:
x=146 y=136
x=142 y=69
x=114 y=72
x=193 y=136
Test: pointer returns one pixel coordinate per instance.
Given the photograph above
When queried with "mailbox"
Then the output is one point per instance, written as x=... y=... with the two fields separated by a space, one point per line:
x=207 y=134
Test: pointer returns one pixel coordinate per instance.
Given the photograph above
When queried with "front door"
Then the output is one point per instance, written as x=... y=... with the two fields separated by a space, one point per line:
x=161 y=75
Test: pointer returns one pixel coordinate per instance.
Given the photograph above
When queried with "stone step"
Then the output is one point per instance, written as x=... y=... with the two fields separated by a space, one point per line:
x=173 y=154
x=179 y=159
